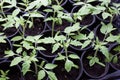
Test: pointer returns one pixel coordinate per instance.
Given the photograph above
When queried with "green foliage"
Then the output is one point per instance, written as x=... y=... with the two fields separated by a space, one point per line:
x=69 y=64
x=24 y=14
x=4 y=74
x=45 y=70
x=94 y=60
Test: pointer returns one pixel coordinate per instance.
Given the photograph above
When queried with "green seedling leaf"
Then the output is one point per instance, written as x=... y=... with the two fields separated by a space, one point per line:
x=51 y=75
x=106 y=15
x=104 y=51
x=25 y=67
x=112 y=38
x=93 y=60
x=60 y=57
x=48 y=40
x=55 y=47
x=73 y=28
x=69 y=64
x=41 y=74
x=75 y=43
x=73 y=56
x=17 y=38
x=50 y=66
x=80 y=37
x=19 y=50
x=9 y=53
x=85 y=44
x=15 y=61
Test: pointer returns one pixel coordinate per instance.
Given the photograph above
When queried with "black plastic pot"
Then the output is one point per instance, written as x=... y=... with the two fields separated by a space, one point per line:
x=48 y=47
x=15 y=71
x=78 y=48
x=115 y=1
x=62 y=74
x=3 y=47
x=115 y=66
x=112 y=76
x=72 y=1
x=96 y=71
x=38 y=28
x=88 y=20
x=9 y=31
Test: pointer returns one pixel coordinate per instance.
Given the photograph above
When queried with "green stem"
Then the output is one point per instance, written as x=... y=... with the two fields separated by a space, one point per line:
x=61 y=1
x=53 y=24
x=78 y=32
x=111 y=19
x=24 y=27
x=23 y=32
x=57 y=2
x=96 y=52
x=105 y=37
x=36 y=69
x=2 y=9
x=65 y=50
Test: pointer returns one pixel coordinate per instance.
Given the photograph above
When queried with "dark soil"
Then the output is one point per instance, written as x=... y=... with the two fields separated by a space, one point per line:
x=30 y=76
x=48 y=50
x=9 y=31
x=87 y=20
x=14 y=73
x=96 y=70
x=59 y=27
x=3 y=47
x=36 y=29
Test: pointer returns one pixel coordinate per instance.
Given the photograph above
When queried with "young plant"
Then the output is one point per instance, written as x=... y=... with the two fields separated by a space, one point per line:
x=61 y=41
x=115 y=57
x=100 y=46
x=58 y=16
x=76 y=33
x=107 y=10
x=27 y=5
x=65 y=43
x=69 y=64
x=46 y=69
x=7 y=5
x=85 y=9
x=4 y=75
x=26 y=60
x=26 y=51
x=28 y=43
